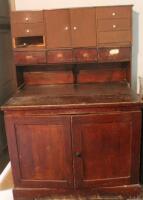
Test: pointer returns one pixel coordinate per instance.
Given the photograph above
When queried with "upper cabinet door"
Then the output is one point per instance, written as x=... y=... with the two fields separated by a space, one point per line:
x=58 y=28
x=83 y=26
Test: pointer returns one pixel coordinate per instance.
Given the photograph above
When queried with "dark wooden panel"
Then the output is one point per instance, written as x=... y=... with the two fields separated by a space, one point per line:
x=83 y=27
x=43 y=78
x=27 y=16
x=103 y=140
x=85 y=55
x=114 y=54
x=102 y=75
x=60 y=56
x=113 y=24
x=113 y=12
x=110 y=37
x=42 y=151
x=35 y=29
x=25 y=58
x=58 y=28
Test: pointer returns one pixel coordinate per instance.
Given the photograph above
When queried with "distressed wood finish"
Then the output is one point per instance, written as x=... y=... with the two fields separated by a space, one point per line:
x=74 y=127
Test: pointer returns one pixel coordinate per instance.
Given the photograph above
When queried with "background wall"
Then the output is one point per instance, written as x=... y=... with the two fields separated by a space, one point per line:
x=137 y=58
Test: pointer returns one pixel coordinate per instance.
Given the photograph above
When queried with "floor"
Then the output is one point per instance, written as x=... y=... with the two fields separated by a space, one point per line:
x=6 y=185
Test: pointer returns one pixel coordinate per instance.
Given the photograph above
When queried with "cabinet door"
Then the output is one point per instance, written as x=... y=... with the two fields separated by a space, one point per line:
x=106 y=149
x=41 y=151
x=58 y=28
x=83 y=26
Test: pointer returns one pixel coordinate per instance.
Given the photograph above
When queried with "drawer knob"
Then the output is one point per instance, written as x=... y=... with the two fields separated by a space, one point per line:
x=29 y=57
x=78 y=154
x=75 y=28
x=114 y=26
x=113 y=14
x=27 y=30
x=85 y=55
x=59 y=55
x=66 y=28
x=27 y=19
x=114 y=52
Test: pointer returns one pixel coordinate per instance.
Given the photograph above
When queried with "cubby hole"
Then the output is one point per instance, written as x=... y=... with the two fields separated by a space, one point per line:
x=26 y=42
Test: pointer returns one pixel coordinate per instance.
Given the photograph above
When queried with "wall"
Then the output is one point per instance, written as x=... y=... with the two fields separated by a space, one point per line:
x=137 y=22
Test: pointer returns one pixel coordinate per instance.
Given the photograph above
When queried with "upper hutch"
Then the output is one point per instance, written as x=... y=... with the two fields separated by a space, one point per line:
x=74 y=124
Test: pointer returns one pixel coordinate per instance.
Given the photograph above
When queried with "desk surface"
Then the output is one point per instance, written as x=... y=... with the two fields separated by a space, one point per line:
x=68 y=95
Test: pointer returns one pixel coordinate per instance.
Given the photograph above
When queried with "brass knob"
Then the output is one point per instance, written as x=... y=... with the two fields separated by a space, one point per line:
x=27 y=30
x=27 y=19
x=59 y=55
x=78 y=154
x=85 y=55
x=66 y=28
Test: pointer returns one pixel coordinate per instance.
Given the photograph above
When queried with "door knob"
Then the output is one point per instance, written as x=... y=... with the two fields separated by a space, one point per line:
x=78 y=154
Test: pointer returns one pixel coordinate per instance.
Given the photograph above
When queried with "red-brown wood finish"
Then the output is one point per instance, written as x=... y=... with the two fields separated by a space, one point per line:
x=85 y=55
x=74 y=126
x=114 y=54
x=30 y=57
x=104 y=140
x=44 y=78
x=60 y=56
x=47 y=158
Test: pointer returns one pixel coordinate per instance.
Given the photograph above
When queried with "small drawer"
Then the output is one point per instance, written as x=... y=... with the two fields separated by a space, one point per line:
x=20 y=30
x=118 y=37
x=114 y=54
x=113 y=24
x=113 y=12
x=37 y=57
x=85 y=55
x=27 y=16
x=60 y=56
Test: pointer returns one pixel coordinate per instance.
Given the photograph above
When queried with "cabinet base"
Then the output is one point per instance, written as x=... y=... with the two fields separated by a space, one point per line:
x=31 y=193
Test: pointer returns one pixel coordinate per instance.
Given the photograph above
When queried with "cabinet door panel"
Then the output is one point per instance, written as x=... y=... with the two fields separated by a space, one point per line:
x=58 y=28
x=43 y=148
x=105 y=146
x=83 y=26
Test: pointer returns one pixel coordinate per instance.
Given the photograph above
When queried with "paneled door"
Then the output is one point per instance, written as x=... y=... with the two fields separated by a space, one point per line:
x=58 y=28
x=42 y=154
x=83 y=27
x=104 y=147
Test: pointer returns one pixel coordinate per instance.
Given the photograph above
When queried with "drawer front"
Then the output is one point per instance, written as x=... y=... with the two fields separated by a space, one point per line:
x=27 y=17
x=114 y=37
x=113 y=12
x=60 y=56
x=114 y=54
x=36 y=29
x=113 y=24
x=30 y=57
x=85 y=55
